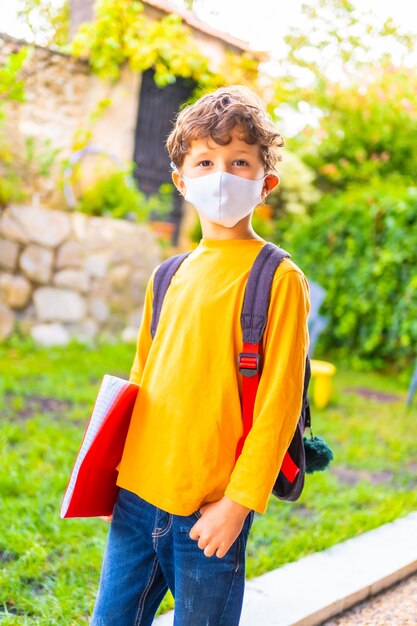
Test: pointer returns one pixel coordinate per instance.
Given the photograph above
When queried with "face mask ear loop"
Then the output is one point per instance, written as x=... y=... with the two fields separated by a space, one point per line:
x=266 y=194
x=220 y=194
x=175 y=169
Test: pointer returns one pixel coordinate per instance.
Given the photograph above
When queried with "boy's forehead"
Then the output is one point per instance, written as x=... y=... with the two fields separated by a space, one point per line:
x=235 y=139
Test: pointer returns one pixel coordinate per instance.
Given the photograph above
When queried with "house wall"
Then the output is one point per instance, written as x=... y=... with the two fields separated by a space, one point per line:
x=80 y=11
x=61 y=94
x=213 y=48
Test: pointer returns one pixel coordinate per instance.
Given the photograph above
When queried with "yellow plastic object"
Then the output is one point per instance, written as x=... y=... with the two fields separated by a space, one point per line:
x=321 y=373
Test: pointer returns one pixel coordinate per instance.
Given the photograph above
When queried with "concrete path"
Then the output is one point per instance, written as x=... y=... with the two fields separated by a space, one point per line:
x=317 y=587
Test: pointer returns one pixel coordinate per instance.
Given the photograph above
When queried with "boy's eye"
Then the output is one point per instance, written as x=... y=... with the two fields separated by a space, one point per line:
x=240 y=162
x=205 y=163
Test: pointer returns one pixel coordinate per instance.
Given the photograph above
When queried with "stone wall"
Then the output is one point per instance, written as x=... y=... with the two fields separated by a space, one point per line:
x=65 y=275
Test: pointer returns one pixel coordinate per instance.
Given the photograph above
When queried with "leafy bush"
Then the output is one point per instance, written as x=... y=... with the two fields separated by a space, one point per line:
x=117 y=196
x=296 y=191
x=361 y=246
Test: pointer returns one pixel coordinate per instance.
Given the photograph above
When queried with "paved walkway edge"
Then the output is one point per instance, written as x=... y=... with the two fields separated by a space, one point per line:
x=320 y=586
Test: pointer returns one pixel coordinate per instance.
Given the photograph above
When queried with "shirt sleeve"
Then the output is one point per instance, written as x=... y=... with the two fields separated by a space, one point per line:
x=144 y=339
x=278 y=400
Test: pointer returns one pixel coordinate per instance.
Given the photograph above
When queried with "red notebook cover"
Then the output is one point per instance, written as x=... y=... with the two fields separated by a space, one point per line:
x=92 y=489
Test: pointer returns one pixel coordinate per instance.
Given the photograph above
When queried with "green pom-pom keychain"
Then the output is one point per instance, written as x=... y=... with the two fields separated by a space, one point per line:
x=318 y=454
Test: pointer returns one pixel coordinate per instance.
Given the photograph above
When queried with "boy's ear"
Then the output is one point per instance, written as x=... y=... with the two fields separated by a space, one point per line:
x=178 y=182
x=271 y=181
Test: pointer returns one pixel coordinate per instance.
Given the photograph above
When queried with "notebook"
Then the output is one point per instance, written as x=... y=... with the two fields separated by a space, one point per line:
x=92 y=489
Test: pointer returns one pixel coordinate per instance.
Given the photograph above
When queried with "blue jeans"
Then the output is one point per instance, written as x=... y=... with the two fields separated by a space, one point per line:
x=148 y=551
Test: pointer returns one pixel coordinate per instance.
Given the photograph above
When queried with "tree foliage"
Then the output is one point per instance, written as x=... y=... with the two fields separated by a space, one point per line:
x=121 y=33
x=336 y=42
x=367 y=130
x=48 y=21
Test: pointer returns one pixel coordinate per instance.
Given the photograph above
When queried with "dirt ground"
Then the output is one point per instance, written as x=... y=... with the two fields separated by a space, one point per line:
x=395 y=607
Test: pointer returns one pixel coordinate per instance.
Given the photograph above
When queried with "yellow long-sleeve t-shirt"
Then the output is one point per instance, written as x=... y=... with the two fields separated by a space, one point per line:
x=187 y=420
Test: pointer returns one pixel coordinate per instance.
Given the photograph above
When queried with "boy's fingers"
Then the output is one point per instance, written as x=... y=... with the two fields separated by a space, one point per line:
x=106 y=518
x=209 y=550
x=202 y=545
x=220 y=553
x=194 y=534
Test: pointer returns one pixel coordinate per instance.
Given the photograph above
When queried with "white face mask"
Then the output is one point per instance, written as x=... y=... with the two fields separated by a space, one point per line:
x=224 y=198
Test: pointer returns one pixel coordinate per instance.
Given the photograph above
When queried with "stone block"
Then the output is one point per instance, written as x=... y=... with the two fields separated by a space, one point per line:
x=9 y=253
x=100 y=234
x=15 y=290
x=47 y=227
x=27 y=314
x=99 y=309
x=70 y=254
x=53 y=304
x=10 y=229
x=53 y=334
x=119 y=276
x=79 y=225
x=7 y=320
x=36 y=263
x=74 y=279
x=85 y=330
x=96 y=265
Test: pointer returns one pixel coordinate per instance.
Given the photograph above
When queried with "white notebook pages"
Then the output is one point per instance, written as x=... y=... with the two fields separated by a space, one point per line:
x=111 y=388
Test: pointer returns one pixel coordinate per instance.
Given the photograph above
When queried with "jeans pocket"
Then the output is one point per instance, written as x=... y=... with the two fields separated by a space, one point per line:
x=247 y=525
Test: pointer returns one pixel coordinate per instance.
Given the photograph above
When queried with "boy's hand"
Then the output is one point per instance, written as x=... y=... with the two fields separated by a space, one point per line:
x=107 y=518
x=219 y=526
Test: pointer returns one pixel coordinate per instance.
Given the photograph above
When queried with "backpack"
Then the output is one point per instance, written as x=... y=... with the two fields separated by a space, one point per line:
x=290 y=480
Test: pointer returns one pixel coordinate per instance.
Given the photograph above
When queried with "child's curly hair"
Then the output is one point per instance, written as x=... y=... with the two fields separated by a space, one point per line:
x=216 y=114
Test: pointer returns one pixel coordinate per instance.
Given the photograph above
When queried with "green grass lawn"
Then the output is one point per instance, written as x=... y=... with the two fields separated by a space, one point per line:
x=50 y=567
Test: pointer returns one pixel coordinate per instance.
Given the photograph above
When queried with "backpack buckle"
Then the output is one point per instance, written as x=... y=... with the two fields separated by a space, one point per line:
x=248 y=363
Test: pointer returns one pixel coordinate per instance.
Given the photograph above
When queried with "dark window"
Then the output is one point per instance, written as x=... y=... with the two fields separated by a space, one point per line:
x=157 y=109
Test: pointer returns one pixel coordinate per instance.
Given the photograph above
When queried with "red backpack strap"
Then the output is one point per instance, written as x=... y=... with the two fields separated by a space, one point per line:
x=253 y=319
x=248 y=364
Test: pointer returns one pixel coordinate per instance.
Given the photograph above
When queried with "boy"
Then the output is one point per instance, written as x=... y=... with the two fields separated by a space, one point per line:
x=185 y=506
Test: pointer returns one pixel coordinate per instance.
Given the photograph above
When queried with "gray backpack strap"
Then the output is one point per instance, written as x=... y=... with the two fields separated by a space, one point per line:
x=258 y=292
x=161 y=282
